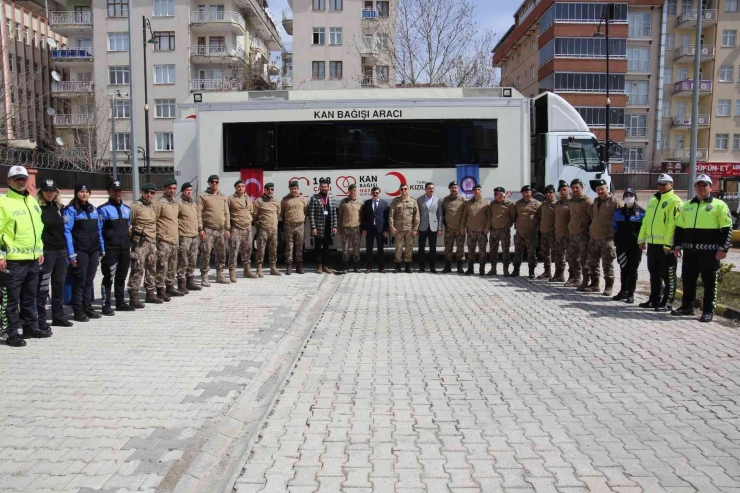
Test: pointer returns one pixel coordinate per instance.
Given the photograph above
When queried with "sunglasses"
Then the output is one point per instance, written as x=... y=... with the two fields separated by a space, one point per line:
x=269 y=188
x=149 y=192
x=214 y=181
x=404 y=189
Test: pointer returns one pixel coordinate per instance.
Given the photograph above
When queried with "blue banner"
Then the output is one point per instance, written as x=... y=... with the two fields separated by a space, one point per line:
x=468 y=176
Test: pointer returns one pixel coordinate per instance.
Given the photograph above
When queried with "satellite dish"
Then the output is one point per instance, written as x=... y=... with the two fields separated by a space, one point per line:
x=51 y=111
x=60 y=142
x=52 y=43
x=55 y=75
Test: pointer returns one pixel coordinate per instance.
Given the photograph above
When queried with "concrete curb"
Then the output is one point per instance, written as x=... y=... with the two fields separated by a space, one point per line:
x=720 y=310
x=220 y=460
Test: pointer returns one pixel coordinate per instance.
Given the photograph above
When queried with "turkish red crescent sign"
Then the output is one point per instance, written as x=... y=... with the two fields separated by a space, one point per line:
x=253 y=179
x=719 y=169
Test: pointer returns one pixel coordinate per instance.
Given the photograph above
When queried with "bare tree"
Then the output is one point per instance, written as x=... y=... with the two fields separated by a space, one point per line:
x=249 y=72
x=433 y=43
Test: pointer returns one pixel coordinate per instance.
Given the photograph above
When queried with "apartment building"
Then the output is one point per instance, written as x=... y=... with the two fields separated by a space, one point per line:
x=25 y=76
x=338 y=44
x=191 y=46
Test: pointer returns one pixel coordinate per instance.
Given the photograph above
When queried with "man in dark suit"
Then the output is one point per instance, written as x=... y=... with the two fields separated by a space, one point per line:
x=374 y=226
x=430 y=227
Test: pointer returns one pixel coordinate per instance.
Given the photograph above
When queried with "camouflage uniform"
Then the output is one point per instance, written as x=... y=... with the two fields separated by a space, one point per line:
x=348 y=219
x=241 y=210
x=266 y=238
x=350 y=243
x=267 y=212
x=452 y=213
x=525 y=243
x=476 y=239
x=602 y=251
x=213 y=219
x=187 y=257
x=525 y=239
x=143 y=260
x=295 y=237
x=578 y=226
x=578 y=254
x=476 y=221
x=214 y=241
x=166 y=264
x=240 y=241
x=404 y=218
x=502 y=237
x=454 y=237
x=601 y=246
x=559 y=249
x=503 y=215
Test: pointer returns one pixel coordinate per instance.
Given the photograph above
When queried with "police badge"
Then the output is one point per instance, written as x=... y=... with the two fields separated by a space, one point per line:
x=665 y=204
x=708 y=208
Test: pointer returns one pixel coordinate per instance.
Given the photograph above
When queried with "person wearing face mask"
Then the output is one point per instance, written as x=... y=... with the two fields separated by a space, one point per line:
x=626 y=224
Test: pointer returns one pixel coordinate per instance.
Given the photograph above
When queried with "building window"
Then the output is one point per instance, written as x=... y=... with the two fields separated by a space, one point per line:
x=636 y=125
x=164 y=8
x=335 y=5
x=721 y=141
x=164 y=74
x=582 y=48
x=122 y=141
x=10 y=63
x=640 y=24
x=726 y=73
x=531 y=72
x=682 y=74
x=335 y=70
x=118 y=42
x=736 y=142
x=582 y=82
x=9 y=28
x=117 y=8
x=383 y=8
x=670 y=41
x=164 y=108
x=579 y=12
x=737 y=107
x=670 y=6
x=729 y=37
x=723 y=107
x=317 y=69
x=318 y=36
x=382 y=72
x=119 y=75
x=383 y=41
x=122 y=108
x=335 y=36
x=164 y=40
x=730 y=5
x=319 y=5
x=18 y=35
x=595 y=116
x=638 y=59
x=163 y=141
x=668 y=76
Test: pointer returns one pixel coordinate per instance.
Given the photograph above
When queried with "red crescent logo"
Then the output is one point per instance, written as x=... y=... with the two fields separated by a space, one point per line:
x=299 y=178
x=343 y=183
x=401 y=181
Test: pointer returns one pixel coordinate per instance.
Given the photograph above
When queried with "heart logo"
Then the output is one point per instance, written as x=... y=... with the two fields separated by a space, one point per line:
x=343 y=183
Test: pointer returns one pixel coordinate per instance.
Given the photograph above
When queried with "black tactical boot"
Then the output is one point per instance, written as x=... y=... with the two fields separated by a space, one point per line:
x=448 y=267
x=515 y=271
x=471 y=268
x=459 y=266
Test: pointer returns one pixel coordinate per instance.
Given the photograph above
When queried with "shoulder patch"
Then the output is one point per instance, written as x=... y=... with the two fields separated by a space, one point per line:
x=709 y=207
x=664 y=205
x=66 y=218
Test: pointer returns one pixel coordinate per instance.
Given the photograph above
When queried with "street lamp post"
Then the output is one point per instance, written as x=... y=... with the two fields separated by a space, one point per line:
x=607 y=14
x=695 y=100
x=144 y=25
x=132 y=85
x=113 y=139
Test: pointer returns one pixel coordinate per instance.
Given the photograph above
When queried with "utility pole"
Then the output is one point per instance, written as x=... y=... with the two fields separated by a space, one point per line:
x=132 y=92
x=695 y=101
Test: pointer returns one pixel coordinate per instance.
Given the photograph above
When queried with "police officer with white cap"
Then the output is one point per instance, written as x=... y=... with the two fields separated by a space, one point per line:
x=703 y=237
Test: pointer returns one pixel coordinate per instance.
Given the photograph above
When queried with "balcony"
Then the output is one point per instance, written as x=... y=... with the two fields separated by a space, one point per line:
x=70 y=21
x=71 y=121
x=76 y=56
x=684 y=155
x=287 y=82
x=72 y=88
x=370 y=82
x=687 y=86
x=215 y=53
x=640 y=32
x=288 y=21
x=685 y=121
x=259 y=45
x=639 y=66
x=214 y=85
x=688 y=19
x=205 y=21
x=637 y=100
x=370 y=14
x=636 y=132
x=287 y=50
x=687 y=52
x=369 y=54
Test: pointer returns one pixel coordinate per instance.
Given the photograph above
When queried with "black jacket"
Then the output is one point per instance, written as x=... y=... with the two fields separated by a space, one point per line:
x=116 y=219
x=374 y=221
x=53 y=233
x=626 y=224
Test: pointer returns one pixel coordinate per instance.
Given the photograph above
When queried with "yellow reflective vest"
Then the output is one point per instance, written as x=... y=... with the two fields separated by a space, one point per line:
x=660 y=219
x=20 y=227
x=704 y=225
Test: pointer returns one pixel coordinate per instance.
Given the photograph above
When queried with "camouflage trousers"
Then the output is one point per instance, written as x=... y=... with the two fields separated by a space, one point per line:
x=351 y=244
x=503 y=237
x=294 y=234
x=477 y=239
x=559 y=250
x=166 y=263
x=601 y=251
x=215 y=240
x=404 y=239
x=143 y=265
x=547 y=247
x=187 y=256
x=454 y=237
x=525 y=243
x=240 y=241
x=266 y=238
x=578 y=254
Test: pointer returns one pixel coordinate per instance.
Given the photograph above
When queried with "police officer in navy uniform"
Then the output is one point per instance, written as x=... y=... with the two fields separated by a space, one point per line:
x=703 y=237
x=115 y=217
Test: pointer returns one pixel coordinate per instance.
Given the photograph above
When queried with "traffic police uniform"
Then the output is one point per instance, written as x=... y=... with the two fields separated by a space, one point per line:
x=115 y=217
x=703 y=228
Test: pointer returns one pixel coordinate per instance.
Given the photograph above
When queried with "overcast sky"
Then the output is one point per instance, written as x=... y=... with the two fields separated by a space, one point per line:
x=496 y=14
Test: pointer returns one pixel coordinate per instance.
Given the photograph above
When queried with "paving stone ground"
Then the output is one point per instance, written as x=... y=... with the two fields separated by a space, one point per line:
x=426 y=383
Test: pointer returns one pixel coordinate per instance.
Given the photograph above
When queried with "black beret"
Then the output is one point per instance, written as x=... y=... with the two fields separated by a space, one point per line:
x=526 y=188
x=499 y=189
x=452 y=184
x=269 y=185
x=293 y=183
x=239 y=182
x=185 y=185
x=477 y=186
x=148 y=187
x=212 y=177
x=562 y=184
x=170 y=182
x=598 y=183
x=352 y=187
x=550 y=188
x=323 y=180
x=81 y=186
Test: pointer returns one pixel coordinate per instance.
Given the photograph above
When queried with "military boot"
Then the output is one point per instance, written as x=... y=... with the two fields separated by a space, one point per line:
x=190 y=284
x=248 y=271
x=515 y=272
x=182 y=286
x=460 y=267
x=232 y=274
x=299 y=268
x=288 y=268
x=594 y=286
x=494 y=269
x=151 y=297
x=506 y=269
x=547 y=274
x=408 y=268
x=273 y=270
x=134 y=299
x=558 y=277
x=204 y=281
x=608 y=288
x=171 y=290
x=573 y=280
x=162 y=295
x=531 y=271
x=220 y=279
x=259 y=271
x=471 y=268
x=354 y=267
x=583 y=285
x=448 y=267
x=398 y=268
x=482 y=269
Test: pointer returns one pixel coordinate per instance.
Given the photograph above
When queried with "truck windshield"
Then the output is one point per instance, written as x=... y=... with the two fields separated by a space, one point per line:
x=586 y=158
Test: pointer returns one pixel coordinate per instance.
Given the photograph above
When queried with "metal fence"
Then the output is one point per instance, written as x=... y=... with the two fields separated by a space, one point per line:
x=646 y=181
x=66 y=179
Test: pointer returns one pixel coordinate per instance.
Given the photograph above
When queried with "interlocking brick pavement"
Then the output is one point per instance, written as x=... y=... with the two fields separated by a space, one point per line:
x=422 y=383
x=111 y=405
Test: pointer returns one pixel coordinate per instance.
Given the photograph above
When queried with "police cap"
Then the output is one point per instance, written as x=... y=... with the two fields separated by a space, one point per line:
x=703 y=179
x=114 y=185
x=48 y=185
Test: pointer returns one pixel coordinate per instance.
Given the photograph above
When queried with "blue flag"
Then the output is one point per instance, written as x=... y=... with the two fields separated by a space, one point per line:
x=468 y=176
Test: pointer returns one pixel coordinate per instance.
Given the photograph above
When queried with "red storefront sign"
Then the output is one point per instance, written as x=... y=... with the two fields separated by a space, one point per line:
x=718 y=169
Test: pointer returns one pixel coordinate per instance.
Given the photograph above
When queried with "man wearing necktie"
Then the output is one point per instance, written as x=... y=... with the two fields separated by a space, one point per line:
x=374 y=227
